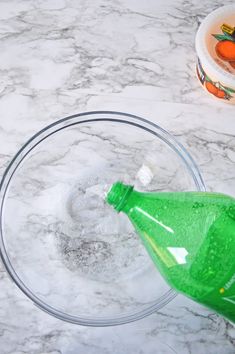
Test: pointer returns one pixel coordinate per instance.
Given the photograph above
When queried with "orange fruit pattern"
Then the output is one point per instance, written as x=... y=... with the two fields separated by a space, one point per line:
x=225 y=50
x=211 y=88
x=215 y=90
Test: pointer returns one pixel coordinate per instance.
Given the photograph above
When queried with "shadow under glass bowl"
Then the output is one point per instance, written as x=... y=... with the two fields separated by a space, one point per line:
x=64 y=247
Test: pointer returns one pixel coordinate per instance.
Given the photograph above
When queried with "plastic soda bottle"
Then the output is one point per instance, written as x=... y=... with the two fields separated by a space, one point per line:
x=190 y=237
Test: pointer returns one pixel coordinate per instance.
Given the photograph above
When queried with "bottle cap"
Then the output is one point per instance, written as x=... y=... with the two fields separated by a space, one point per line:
x=117 y=195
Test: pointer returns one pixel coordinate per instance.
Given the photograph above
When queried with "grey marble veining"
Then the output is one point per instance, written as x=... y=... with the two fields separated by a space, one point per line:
x=63 y=57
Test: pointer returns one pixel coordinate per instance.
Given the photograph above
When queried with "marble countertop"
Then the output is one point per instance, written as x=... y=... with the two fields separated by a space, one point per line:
x=62 y=57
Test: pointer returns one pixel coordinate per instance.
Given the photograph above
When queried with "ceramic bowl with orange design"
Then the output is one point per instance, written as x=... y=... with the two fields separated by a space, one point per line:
x=215 y=46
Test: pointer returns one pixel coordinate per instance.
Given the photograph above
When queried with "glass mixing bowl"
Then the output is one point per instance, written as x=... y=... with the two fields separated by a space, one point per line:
x=64 y=247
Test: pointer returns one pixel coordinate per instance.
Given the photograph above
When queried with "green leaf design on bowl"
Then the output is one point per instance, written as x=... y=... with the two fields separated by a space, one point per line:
x=223 y=37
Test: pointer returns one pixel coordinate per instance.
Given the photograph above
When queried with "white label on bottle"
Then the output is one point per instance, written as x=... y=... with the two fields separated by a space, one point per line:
x=179 y=253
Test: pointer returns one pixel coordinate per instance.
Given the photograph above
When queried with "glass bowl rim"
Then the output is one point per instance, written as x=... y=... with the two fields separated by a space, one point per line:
x=86 y=117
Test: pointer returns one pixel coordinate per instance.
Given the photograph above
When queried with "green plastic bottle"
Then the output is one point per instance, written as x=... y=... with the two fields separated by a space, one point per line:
x=191 y=239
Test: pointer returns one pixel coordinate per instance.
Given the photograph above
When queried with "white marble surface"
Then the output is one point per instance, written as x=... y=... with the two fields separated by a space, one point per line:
x=61 y=57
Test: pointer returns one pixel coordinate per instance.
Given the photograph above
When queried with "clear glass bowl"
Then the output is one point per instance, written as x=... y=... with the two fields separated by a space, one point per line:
x=64 y=247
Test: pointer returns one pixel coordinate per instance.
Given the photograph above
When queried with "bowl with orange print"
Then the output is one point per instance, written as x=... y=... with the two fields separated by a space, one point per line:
x=215 y=46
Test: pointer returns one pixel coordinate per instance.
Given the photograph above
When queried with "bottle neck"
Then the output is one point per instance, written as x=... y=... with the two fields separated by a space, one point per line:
x=118 y=195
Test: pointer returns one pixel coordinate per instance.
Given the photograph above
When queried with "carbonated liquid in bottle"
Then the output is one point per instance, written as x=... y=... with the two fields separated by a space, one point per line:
x=190 y=237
